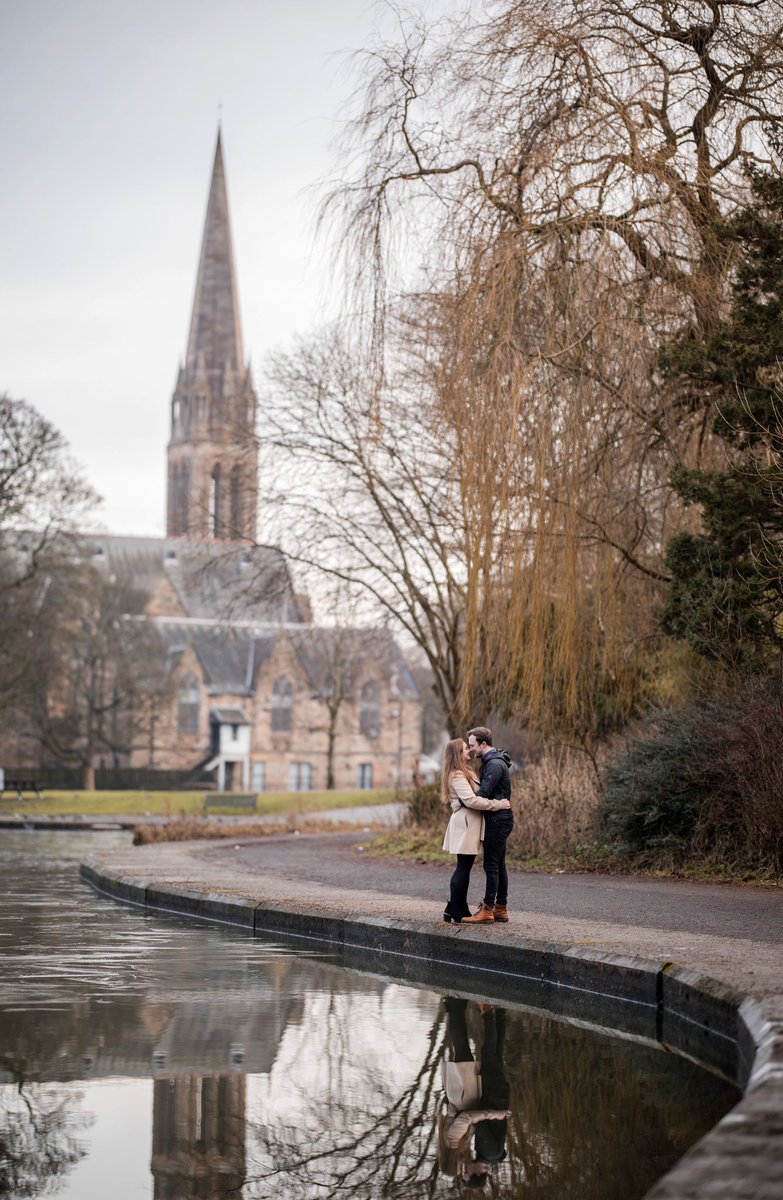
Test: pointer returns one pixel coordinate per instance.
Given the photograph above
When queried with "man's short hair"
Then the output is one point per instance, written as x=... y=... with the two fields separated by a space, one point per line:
x=481 y=734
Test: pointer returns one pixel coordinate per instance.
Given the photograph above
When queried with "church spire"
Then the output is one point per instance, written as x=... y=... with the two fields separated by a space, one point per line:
x=212 y=452
x=215 y=330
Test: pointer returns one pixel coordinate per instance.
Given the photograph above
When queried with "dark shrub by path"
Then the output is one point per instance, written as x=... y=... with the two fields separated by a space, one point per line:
x=706 y=780
x=426 y=810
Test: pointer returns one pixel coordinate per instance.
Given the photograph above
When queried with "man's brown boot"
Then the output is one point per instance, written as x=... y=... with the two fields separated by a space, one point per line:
x=484 y=915
x=501 y=913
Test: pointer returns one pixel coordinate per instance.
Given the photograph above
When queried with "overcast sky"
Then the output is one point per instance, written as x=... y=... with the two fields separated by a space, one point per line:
x=109 y=117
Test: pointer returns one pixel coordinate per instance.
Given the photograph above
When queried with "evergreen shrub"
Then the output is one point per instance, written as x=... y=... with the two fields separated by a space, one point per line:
x=706 y=780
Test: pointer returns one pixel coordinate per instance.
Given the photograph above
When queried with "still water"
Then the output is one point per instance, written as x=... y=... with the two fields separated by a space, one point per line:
x=145 y=1057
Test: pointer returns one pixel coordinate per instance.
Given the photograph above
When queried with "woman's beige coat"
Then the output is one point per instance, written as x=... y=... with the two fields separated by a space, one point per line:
x=462 y=1085
x=465 y=830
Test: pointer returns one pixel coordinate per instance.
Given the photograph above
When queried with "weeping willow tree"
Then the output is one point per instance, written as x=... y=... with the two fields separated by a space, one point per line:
x=565 y=497
x=548 y=179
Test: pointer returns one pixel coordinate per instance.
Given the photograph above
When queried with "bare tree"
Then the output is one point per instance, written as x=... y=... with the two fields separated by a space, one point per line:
x=42 y=494
x=102 y=676
x=42 y=498
x=374 y=492
x=380 y=1145
x=335 y=659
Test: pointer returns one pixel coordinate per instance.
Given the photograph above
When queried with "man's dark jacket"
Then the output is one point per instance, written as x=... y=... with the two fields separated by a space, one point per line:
x=495 y=778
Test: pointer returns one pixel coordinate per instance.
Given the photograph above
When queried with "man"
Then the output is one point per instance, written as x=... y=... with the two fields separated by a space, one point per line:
x=494 y=784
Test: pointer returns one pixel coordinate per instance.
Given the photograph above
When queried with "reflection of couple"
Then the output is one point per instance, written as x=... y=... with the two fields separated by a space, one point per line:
x=477 y=1097
x=480 y=814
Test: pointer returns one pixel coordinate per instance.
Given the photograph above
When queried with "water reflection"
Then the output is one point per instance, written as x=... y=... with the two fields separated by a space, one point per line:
x=151 y=1058
x=39 y=1137
x=198 y=1136
x=477 y=1096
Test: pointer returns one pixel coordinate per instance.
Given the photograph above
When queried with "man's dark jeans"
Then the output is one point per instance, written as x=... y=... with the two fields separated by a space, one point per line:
x=496 y=830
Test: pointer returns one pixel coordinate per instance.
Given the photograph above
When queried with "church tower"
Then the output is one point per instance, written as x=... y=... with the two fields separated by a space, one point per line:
x=212 y=453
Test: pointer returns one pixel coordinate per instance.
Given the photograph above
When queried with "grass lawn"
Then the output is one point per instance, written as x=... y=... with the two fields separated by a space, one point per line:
x=175 y=803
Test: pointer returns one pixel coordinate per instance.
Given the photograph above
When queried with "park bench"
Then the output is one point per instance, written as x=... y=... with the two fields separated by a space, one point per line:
x=20 y=786
x=217 y=800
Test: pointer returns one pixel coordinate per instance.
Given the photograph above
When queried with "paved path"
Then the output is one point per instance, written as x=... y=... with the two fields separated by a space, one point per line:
x=732 y=933
x=721 y=910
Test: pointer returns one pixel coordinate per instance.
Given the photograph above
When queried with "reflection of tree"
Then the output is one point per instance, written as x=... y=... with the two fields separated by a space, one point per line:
x=38 y=1142
x=361 y=1136
x=592 y=1117
x=597 y=1117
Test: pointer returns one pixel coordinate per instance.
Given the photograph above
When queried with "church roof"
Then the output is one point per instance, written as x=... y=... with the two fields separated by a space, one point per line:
x=217 y=581
x=232 y=654
x=327 y=650
x=215 y=332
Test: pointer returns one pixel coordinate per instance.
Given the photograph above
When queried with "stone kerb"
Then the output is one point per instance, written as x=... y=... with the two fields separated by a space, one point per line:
x=682 y=1010
x=699 y=1016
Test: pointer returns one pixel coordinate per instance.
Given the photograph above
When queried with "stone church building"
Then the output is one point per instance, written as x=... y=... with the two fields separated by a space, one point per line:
x=260 y=698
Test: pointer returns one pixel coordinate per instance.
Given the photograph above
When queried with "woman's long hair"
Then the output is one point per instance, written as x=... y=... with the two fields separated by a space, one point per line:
x=450 y=1156
x=453 y=764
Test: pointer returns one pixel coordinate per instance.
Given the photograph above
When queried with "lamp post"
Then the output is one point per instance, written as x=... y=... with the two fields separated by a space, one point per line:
x=397 y=713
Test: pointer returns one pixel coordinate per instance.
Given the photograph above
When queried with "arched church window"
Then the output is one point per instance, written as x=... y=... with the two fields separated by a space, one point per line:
x=370 y=709
x=173 y=500
x=236 y=501
x=282 y=706
x=183 y=498
x=215 y=503
x=178 y=490
x=188 y=704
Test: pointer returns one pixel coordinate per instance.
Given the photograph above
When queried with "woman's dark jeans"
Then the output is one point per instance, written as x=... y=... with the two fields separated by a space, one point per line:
x=457 y=1027
x=458 y=891
x=497 y=827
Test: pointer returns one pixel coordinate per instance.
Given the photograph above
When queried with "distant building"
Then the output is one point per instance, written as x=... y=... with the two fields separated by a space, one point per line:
x=260 y=698
x=259 y=694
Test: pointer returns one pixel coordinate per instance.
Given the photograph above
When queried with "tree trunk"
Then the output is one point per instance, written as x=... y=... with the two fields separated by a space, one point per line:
x=88 y=776
x=152 y=732
x=330 y=745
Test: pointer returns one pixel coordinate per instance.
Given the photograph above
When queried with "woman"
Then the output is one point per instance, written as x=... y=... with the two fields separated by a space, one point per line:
x=465 y=831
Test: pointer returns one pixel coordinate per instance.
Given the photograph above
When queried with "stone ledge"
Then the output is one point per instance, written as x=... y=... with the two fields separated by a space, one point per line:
x=699 y=1016
x=681 y=1009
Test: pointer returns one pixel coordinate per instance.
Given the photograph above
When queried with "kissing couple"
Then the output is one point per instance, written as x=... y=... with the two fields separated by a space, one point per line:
x=480 y=814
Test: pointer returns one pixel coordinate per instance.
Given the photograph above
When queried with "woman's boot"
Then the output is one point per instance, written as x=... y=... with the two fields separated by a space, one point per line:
x=501 y=913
